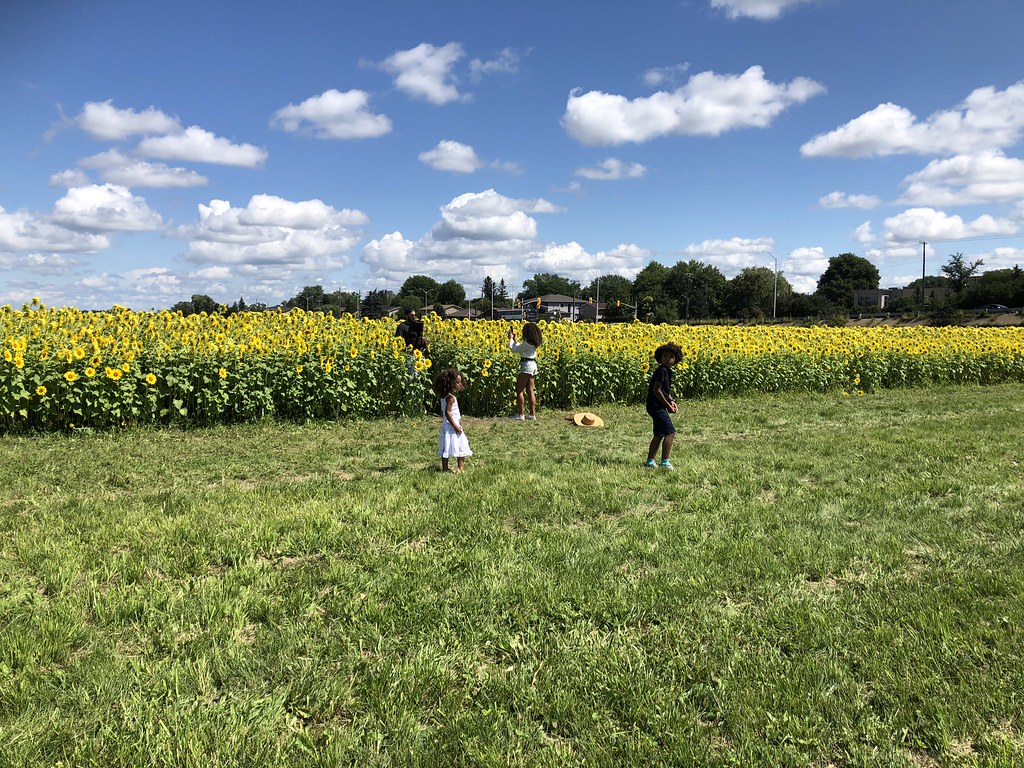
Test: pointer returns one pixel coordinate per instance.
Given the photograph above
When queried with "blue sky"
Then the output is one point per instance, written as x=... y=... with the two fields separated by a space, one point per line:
x=153 y=150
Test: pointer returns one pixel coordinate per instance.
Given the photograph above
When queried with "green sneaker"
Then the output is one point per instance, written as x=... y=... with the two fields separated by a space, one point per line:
x=650 y=463
x=666 y=464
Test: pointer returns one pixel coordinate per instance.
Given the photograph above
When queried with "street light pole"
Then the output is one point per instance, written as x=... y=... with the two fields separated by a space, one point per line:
x=775 y=295
x=597 y=305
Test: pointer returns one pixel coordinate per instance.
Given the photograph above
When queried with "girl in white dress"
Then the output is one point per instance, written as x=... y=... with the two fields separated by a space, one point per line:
x=453 y=440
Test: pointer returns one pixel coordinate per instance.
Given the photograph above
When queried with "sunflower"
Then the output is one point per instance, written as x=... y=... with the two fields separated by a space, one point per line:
x=70 y=376
x=90 y=372
x=41 y=390
x=150 y=379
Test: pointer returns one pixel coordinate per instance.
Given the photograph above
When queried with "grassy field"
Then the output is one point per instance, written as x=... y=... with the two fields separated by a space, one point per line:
x=824 y=581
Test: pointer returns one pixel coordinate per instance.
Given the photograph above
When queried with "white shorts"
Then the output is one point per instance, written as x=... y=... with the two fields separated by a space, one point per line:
x=528 y=367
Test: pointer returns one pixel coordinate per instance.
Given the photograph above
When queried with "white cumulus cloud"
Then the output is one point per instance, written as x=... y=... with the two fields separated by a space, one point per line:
x=662 y=76
x=425 y=72
x=612 y=169
x=844 y=200
x=273 y=231
x=102 y=120
x=986 y=177
x=117 y=168
x=987 y=119
x=863 y=233
x=332 y=115
x=734 y=254
x=484 y=216
x=105 y=208
x=71 y=177
x=480 y=233
x=452 y=156
x=26 y=231
x=506 y=62
x=916 y=224
x=197 y=145
x=764 y=10
x=803 y=266
x=708 y=105
x=572 y=261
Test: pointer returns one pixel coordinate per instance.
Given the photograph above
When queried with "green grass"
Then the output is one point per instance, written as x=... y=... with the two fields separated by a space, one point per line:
x=823 y=581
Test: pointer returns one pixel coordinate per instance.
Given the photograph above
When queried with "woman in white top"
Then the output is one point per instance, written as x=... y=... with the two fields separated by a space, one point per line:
x=527 y=350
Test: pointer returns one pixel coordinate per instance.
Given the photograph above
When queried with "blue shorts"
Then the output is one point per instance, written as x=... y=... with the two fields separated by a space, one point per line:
x=662 y=423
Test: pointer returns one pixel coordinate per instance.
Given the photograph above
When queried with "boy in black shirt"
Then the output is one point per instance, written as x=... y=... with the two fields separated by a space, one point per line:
x=660 y=403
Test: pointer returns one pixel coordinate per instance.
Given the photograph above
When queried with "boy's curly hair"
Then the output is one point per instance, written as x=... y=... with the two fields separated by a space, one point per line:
x=444 y=382
x=673 y=348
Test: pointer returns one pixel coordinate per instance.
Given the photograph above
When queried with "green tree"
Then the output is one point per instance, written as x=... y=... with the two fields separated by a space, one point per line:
x=610 y=288
x=997 y=286
x=615 y=292
x=488 y=288
x=502 y=292
x=421 y=288
x=341 y=302
x=375 y=303
x=654 y=303
x=451 y=292
x=752 y=293
x=546 y=283
x=698 y=289
x=311 y=298
x=200 y=302
x=845 y=274
x=808 y=305
x=959 y=271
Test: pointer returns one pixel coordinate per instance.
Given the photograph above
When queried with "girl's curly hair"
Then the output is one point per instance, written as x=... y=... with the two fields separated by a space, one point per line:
x=532 y=334
x=444 y=382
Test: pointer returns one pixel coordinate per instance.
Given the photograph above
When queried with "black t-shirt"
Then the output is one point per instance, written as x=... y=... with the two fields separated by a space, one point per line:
x=660 y=379
x=411 y=332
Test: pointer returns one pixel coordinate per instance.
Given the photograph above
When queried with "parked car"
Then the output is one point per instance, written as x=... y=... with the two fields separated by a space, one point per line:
x=995 y=308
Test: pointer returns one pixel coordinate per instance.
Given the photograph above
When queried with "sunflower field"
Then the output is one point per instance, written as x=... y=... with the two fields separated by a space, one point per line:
x=66 y=369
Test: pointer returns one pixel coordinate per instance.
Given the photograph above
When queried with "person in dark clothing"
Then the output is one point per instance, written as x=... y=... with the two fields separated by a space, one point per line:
x=660 y=403
x=410 y=330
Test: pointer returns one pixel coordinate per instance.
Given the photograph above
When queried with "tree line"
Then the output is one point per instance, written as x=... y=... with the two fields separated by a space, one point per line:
x=689 y=290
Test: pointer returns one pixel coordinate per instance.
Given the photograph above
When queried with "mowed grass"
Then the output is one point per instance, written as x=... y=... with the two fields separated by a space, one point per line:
x=824 y=581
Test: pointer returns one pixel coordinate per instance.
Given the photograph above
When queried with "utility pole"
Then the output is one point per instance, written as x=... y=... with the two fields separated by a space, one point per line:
x=924 y=245
x=775 y=294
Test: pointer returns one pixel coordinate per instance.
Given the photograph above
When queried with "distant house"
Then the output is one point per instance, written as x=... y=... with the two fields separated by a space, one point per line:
x=467 y=313
x=451 y=312
x=517 y=313
x=881 y=298
x=588 y=311
x=560 y=307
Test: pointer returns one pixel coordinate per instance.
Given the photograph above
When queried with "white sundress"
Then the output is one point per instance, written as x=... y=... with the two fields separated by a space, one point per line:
x=451 y=444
